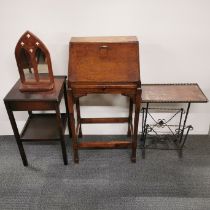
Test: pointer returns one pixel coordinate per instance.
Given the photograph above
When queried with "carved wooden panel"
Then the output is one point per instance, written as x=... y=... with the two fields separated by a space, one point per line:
x=34 y=64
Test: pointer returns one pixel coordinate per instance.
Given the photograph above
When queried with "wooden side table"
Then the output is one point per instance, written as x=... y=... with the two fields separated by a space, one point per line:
x=168 y=93
x=39 y=127
x=104 y=65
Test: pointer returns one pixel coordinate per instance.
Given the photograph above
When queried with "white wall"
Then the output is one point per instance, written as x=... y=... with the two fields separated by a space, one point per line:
x=174 y=40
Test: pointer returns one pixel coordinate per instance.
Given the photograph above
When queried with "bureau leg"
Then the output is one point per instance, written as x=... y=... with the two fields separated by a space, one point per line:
x=136 y=122
x=17 y=135
x=130 y=117
x=79 y=117
x=72 y=125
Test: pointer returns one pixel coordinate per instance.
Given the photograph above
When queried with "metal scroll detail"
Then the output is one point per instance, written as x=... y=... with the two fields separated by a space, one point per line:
x=170 y=133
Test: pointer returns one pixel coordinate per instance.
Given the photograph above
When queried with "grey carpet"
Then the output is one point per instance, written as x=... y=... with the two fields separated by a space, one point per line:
x=105 y=179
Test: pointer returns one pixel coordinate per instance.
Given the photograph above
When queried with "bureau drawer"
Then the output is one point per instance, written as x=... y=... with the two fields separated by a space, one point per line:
x=104 y=62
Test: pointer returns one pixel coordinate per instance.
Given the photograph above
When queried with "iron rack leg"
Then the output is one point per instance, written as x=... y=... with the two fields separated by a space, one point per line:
x=181 y=142
x=185 y=120
x=144 y=129
x=143 y=146
x=185 y=138
x=180 y=121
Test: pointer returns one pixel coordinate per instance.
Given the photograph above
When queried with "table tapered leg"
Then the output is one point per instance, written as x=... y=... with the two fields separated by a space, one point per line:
x=136 y=122
x=17 y=135
x=72 y=125
x=67 y=109
x=62 y=140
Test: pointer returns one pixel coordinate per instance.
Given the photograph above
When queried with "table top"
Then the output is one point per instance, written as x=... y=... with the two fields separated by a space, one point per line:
x=172 y=93
x=53 y=95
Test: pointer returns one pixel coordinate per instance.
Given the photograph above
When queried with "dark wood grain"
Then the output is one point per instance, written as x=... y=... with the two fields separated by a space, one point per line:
x=39 y=127
x=42 y=127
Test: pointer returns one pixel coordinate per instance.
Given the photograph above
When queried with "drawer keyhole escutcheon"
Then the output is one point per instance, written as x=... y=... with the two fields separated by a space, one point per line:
x=103 y=51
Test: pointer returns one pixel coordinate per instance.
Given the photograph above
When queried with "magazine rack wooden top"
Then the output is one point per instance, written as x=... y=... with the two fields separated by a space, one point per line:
x=173 y=93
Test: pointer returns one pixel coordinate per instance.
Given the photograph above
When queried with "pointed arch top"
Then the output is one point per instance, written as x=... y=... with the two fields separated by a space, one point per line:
x=34 y=63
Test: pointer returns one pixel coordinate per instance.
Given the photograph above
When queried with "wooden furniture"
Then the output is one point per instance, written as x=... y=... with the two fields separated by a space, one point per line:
x=168 y=93
x=38 y=127
x=34 y=64
x=104 y=65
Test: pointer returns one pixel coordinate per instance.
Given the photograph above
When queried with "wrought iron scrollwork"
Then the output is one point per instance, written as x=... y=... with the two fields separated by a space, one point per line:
x=164 y=132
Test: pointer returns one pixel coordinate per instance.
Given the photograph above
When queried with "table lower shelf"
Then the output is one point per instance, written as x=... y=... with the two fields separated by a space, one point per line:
x=42 y=127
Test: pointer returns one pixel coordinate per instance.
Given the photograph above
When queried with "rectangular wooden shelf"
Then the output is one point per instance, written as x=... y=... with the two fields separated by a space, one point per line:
x=42 y=127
